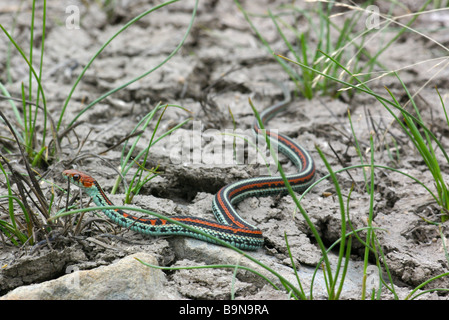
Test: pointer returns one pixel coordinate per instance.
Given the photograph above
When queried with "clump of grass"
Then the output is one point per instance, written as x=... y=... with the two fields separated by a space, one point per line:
x=28 y=191
x=37 y=151
x=35 y=104
x=425 y=142
x=11 y=229
x=31 y=111
x=345 y=44
x=142 y=175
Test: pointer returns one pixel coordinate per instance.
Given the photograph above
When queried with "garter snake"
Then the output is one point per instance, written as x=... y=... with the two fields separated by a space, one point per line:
x=230 y=226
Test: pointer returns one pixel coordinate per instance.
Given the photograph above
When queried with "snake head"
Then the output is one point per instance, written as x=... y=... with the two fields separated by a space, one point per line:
x=79 y=178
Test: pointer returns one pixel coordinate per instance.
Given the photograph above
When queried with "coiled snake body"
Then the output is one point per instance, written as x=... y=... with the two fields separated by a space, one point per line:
x=230 y=226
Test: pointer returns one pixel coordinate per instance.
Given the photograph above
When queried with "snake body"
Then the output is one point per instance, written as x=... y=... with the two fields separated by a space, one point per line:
x=230 y=227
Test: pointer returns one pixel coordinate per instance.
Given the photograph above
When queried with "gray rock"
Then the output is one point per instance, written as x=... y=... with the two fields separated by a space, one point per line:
x=124 y=280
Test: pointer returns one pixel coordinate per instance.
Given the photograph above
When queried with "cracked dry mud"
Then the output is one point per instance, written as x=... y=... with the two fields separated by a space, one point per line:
x=222 y=64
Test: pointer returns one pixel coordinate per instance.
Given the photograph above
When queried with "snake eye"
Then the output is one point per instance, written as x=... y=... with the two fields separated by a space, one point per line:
x=76 y=177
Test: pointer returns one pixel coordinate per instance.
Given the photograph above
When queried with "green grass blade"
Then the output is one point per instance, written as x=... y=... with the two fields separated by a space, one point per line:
x=301 y=290
x=333 y=280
